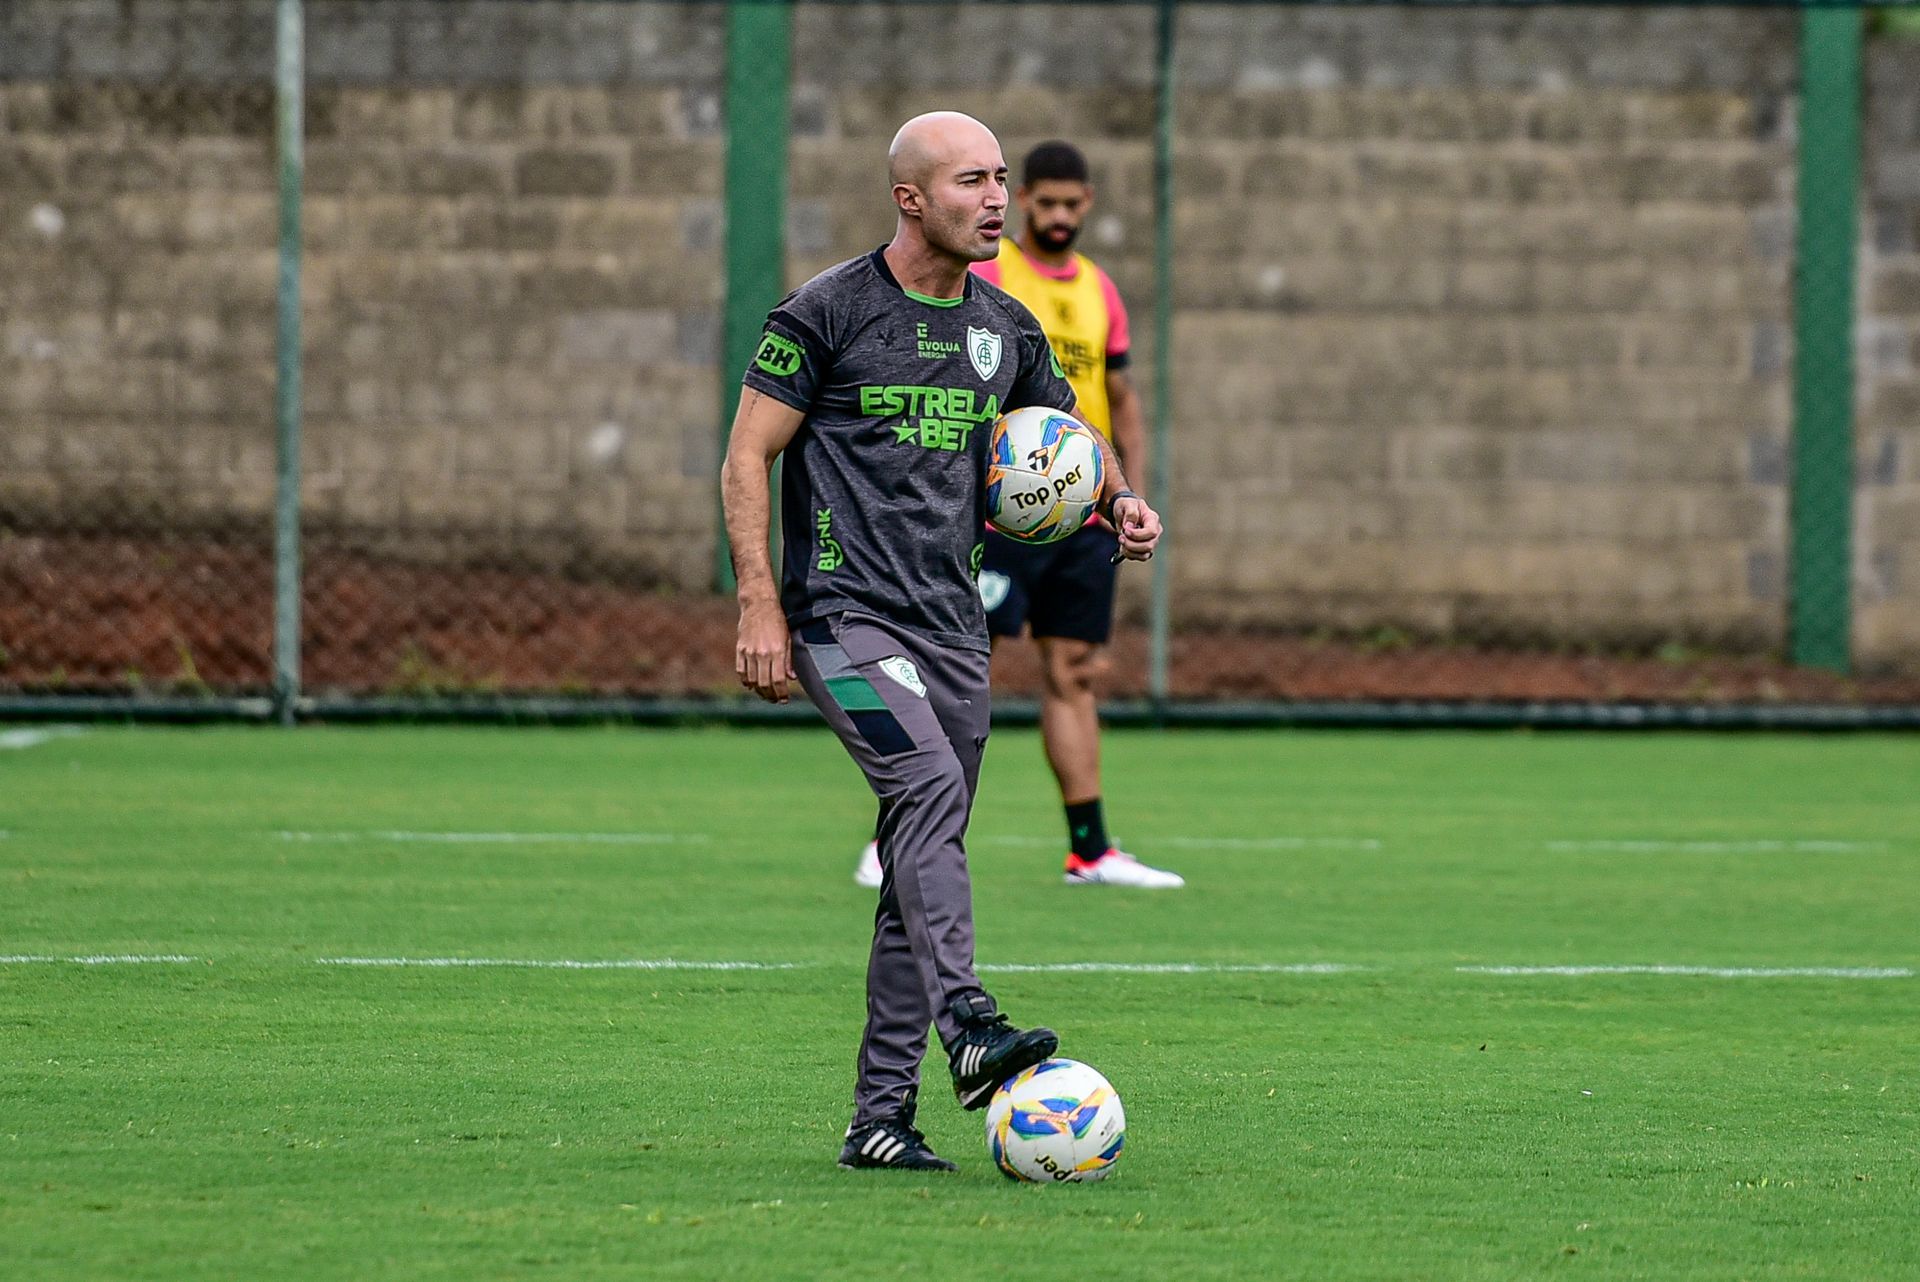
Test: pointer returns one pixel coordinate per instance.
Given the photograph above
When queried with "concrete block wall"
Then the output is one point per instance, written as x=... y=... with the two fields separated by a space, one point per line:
x=1483 y=316
x=512 y=279
x=1887 y=478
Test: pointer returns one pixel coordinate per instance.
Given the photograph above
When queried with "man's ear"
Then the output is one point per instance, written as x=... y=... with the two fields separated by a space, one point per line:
x=906 y=198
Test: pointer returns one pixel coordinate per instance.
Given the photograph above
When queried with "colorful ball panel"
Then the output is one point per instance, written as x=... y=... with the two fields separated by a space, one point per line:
x=1058 y=1122
x=1044 y=475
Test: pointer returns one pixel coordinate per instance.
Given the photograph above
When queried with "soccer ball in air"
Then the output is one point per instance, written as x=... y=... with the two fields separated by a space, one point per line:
x=1059 y=1121
x=1043 y=474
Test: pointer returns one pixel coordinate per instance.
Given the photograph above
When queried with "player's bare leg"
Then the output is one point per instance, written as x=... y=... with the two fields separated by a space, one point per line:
x=1070 y=727
x=1070 y=713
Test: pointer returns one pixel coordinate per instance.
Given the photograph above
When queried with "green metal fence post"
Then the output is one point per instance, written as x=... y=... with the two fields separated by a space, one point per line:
x=1820 y=605
x=759 y=71
x=289 y=73
x=1160 y=624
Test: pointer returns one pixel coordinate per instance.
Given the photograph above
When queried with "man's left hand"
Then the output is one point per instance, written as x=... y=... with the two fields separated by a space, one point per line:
x=1138 y=526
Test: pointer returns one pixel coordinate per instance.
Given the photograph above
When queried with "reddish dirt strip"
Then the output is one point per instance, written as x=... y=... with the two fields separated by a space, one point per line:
x=113 y=615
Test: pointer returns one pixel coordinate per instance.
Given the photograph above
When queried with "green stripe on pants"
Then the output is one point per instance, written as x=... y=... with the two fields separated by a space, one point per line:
x=855 y=694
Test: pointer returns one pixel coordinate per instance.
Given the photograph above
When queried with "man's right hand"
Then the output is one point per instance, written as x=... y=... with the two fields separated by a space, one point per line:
x=763 y=653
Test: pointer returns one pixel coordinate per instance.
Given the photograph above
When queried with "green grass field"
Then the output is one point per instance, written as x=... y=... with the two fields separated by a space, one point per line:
x=258 y=1112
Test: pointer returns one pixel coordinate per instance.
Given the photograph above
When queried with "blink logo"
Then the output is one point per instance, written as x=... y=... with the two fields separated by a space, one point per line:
x=831 y=557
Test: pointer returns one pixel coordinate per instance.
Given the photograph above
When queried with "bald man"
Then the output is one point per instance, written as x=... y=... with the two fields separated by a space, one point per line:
x=877 y=380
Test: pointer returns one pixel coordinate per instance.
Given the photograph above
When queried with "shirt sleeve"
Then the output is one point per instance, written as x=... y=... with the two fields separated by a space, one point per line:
x=794 y=357
x=1119 y=337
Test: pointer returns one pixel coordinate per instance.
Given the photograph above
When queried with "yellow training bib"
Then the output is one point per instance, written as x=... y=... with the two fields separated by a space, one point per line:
x=1074 y=315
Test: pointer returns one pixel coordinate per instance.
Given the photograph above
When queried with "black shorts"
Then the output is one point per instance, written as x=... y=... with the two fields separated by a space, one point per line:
x=1063 y=589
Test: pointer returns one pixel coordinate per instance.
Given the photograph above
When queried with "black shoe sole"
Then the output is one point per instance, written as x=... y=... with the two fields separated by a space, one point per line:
x=1035 y=1046
x=865 y=1164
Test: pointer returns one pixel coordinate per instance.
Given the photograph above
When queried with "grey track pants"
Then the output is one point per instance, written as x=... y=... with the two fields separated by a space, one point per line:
x=914 y=718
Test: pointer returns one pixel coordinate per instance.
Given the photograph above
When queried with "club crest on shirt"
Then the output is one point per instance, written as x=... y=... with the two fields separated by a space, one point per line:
x=994 y=587
x=901 y=669
x=983 y=349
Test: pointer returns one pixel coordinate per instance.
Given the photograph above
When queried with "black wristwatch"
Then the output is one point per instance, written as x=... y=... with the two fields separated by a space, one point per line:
x=1115 y=498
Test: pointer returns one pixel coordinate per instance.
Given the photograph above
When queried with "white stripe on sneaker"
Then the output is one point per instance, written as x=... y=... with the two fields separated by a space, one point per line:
x=891 y=1149
x=873 y=1143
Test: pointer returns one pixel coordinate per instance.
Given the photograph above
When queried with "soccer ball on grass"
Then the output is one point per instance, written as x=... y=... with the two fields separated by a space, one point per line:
x=1058 y=1122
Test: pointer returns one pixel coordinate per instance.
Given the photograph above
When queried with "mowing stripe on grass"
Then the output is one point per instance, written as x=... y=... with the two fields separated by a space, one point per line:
x=1216 y=843
x=1272 y=843
x=1711 y=972
x=1808 y=846
x=1004 y=968
x=669 y=963
x=99 y=959
x=504 y=838
x=1759 y=847
x=622 y=963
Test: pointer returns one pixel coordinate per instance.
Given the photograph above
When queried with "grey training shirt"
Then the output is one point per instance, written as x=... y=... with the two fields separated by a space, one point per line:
x=883 y=487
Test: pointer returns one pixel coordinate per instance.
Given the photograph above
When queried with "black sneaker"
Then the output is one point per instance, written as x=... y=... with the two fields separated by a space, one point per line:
x=990 y=1050
x=891 y=1144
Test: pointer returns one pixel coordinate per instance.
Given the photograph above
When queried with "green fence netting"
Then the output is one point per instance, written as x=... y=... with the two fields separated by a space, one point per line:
x=1547 y=362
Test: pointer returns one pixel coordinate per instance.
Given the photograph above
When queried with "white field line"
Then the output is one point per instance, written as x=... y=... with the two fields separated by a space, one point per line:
x=676 y=838
x=1170 y=968
x=504 y=838
x=1269 y=843
x=1711 y=972
x=100 y=959
x=668 y=963
x=1757 y=847
x=20 y=740
x=1214 y=843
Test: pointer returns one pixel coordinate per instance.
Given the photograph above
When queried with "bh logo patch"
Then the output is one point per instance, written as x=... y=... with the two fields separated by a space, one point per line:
x=983 y=349
x=901 y=669
x=778 y=355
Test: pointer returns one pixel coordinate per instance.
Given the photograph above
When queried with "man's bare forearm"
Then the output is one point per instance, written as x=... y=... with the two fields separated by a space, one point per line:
x=1116 y=474
x=746 y=500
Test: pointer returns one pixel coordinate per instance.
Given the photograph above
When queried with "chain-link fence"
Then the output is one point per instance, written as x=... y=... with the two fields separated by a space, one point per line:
x=1489 y=376
x=136 y=351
